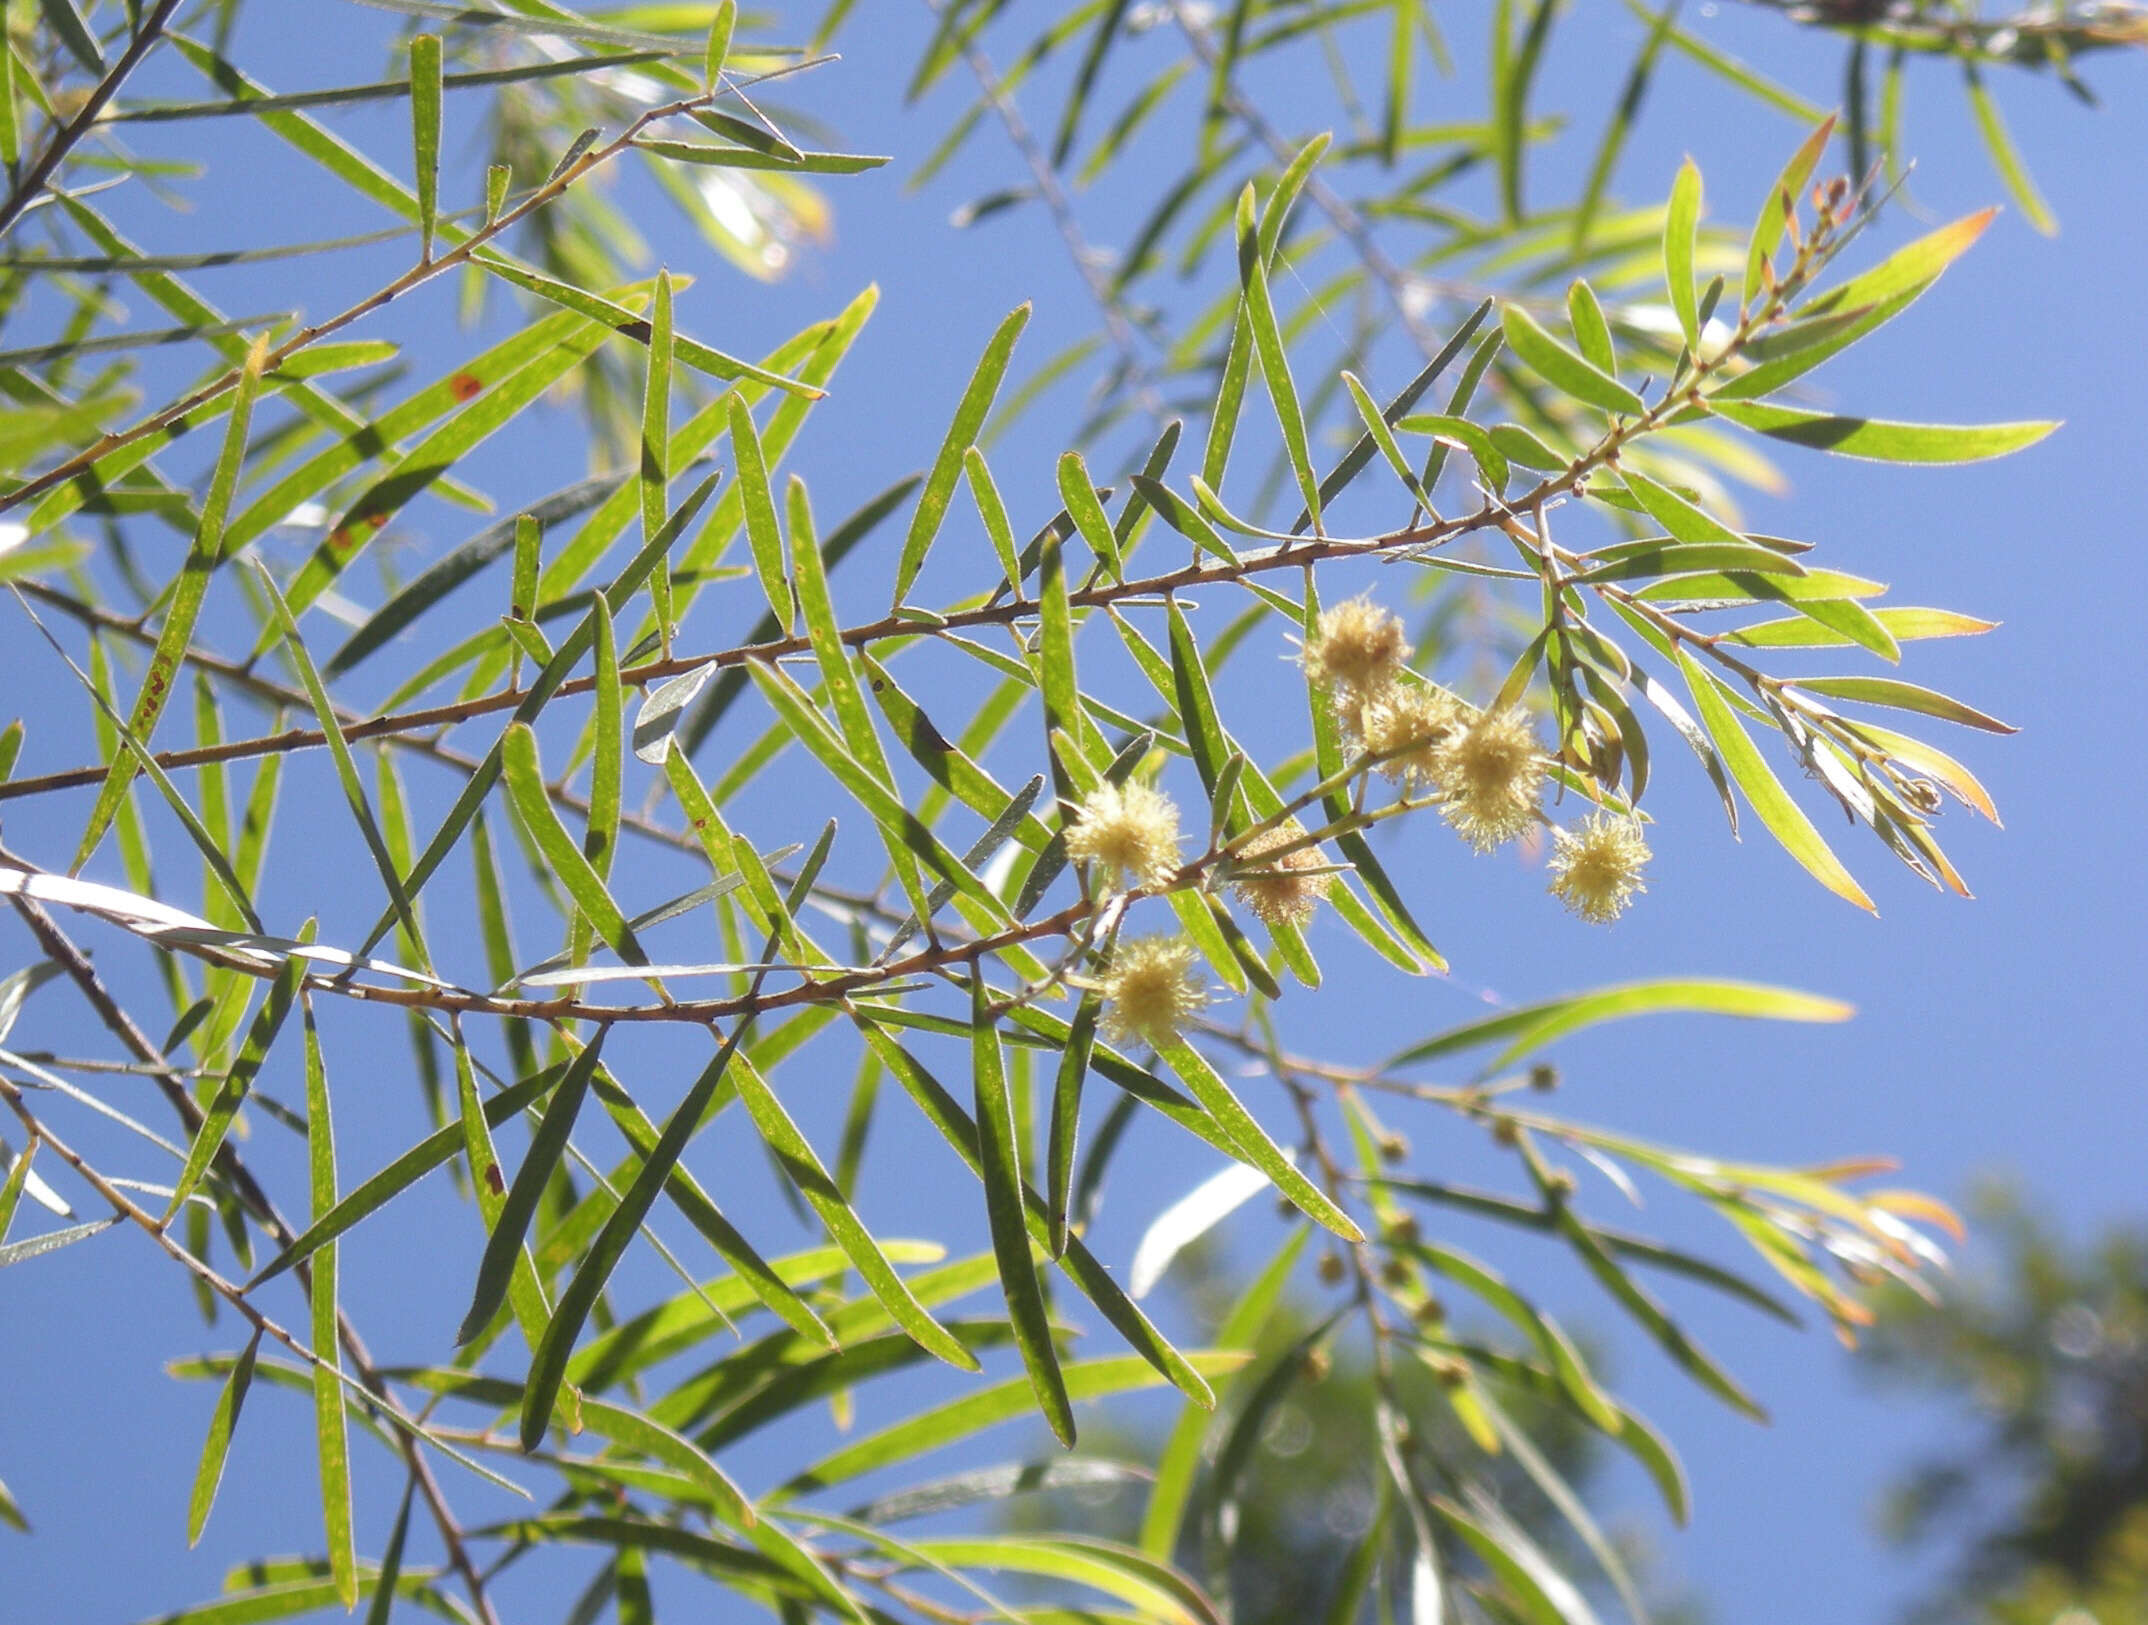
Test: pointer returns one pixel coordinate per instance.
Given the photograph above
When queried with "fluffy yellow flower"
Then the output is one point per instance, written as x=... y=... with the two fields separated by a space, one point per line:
x=1128 y=830
x=1490 y=777
x=1286 y=888
x=1596 y=870
x=1408 y=724
x=1151 y=990
x=1359 y=650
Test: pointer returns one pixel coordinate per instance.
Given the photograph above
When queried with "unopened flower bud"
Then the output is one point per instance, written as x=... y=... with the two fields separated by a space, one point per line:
x=1544 y=1077
x=1330 y=1269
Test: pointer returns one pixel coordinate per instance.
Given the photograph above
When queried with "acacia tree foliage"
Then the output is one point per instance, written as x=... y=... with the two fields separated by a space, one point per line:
x=1058 y=873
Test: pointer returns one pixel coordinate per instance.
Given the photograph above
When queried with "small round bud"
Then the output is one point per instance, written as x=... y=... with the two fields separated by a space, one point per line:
x=1394 y=1146
x=1490 y=776
x=1430 y=1313
x=1395 y=1272
x=1402 y=1232
x=1560 y=1183
x=1318 y=1363
x=1128 y=830
x=1451 y=1373
x=1151 y=990
x=1505 y=1131
x=1330 y=1269
x=1596 y=870
x=1543 y=1077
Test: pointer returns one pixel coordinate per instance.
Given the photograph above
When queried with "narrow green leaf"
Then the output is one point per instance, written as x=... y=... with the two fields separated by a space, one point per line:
x=1513 y=73
x=725 y=157
x=216 y=1122
x=425 y=133
x=764 y=536
x=223 y=1421
x=1591 y=331
x=962 y=433
x=374 y=1193
x=1562 y=368
x=1065 y=1121
x=1251 y=1141
x=548 y=1366
x=2005 y=156
x=1621 y=123
x=999 y=1151
x=754 y=1273
x=1675 y=514
x=1681 y=222
x=1651 y=1316
x=992 y=512
x=1079 y=495
x=548 y=1146
x=1196 y=701
x=1881 y=441
x=1780 y=208
x=391 y=1560
x=721 y=25
x=331 y=1429
x=1903 y=622
x=1890 y=691
x=66 y=20
x=293 y=646
x=957 y=1419
x=805 y=1171
x=19 y=1252
x=1267 y=335
x=1785 y=819
x=1532 y=1026
x=1078 y=1262
x=525 y=1292
x=533 y=804
x=656 y=452
x=607 y=733
x=184 y=608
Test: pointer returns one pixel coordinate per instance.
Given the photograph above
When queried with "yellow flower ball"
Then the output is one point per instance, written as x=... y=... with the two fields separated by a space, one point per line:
x=1596 y=869
x=1128 y=830
x=1151 y=990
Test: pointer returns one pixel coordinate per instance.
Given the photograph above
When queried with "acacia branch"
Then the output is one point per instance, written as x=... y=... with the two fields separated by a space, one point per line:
x=31 y=185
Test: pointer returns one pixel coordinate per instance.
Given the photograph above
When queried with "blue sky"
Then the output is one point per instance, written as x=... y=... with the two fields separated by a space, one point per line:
x=1998 y=1035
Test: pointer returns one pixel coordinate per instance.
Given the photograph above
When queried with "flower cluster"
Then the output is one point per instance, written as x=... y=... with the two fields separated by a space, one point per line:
x=1486 y=769
x=1151 y=990
x=1490 y=777
x=1127 y=830
x=1281 y=889
x=1484 y=766
x=1596 y=869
